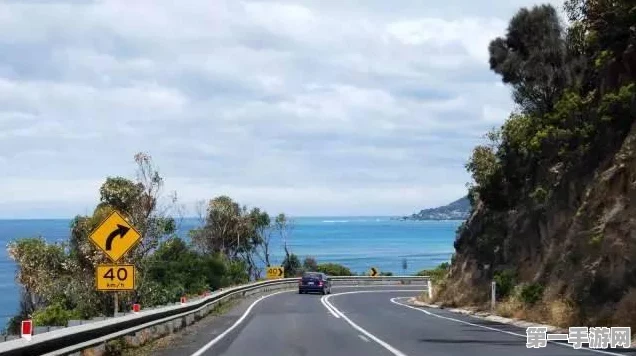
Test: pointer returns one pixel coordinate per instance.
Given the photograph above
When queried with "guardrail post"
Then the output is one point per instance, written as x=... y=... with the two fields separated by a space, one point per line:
x=429 y=286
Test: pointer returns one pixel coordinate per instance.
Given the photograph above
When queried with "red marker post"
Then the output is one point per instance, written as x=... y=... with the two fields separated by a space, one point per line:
x=26 y=330
x=183 y=300
x=136 y=308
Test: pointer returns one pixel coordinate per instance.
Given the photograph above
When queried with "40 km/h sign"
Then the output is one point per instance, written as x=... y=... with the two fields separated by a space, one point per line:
x=115 y=277
x=115 y=236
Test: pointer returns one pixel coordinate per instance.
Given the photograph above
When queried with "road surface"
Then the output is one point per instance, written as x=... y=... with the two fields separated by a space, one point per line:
x=359 y=321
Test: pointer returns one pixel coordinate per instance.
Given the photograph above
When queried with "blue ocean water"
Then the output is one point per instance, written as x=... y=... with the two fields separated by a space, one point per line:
x=356 y=242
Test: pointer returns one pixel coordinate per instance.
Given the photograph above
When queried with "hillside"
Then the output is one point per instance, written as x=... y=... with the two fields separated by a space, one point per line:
x=457 y=210
x=555 y=188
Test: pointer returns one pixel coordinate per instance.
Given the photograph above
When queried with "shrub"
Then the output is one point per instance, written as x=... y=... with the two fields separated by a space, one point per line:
x=54 y=315
x=506 y=281
x=292 y=266
x=437 y=274
x=531 y=293
x=310 y=264
x=333 y=269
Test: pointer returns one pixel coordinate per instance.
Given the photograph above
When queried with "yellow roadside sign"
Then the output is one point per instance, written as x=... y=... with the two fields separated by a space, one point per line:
x=275 y=272
x=374 y=272
x=115 y=277
x=115 y=236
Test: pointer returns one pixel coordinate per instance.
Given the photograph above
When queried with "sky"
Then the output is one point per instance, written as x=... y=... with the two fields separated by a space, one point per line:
x=357 y=107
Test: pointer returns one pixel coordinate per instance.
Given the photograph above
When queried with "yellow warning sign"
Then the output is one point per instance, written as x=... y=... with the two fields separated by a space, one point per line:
x=115 y=236
x=275 y=272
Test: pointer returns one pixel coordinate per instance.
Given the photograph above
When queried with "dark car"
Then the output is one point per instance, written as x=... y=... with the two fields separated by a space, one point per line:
x=314 y=282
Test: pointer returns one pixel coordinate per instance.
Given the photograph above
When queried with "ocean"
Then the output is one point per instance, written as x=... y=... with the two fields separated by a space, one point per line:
x=356 y=242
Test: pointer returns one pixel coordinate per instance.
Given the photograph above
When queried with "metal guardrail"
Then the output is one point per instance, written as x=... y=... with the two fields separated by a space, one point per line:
x=77 y=338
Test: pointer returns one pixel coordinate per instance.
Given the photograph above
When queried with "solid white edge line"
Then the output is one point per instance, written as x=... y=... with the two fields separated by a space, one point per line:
x=322 y=300
x=236 y=323
x=499 y=330
x=388 y=347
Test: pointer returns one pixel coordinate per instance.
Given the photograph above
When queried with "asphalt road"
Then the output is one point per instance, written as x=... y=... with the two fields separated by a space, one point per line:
x=366 y=321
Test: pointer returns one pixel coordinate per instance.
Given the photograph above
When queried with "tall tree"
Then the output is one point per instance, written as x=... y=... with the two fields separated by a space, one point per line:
x=283 y=227
x=531 y=58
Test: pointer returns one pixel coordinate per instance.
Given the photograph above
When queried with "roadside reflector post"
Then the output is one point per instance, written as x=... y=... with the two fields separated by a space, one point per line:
x=136 y=308
x=183 y=300
x=26 y=329
x=493 y=294
x=429 y=286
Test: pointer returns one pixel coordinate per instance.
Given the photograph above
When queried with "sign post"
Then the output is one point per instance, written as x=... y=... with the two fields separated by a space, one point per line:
x=115 y=237
x=493 y=294
x=275 y=272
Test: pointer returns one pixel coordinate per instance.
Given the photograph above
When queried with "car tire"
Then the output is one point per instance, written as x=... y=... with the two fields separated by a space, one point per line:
x=300 y=292
x=324 y=291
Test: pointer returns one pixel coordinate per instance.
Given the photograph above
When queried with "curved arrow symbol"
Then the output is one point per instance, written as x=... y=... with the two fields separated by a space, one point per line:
x=280 y=272
x=120 y=231
x=374 y=272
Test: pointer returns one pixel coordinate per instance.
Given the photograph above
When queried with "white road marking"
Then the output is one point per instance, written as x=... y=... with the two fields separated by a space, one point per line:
x=388 y=347
x=393 y=300
x=322 y=300
x=364 y=338
x=237 y=323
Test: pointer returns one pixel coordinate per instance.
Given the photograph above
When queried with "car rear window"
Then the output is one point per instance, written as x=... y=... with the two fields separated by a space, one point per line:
x=312 y=275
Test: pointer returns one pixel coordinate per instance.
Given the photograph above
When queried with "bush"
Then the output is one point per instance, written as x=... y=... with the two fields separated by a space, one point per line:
x=292 y=266
x=333 y=269
x=531 y=293
x=437 y=274
x=506 y=281
x=310 y=264
x=54 y=315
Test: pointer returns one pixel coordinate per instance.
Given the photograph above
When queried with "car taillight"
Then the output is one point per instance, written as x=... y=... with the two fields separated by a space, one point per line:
x=320 y=284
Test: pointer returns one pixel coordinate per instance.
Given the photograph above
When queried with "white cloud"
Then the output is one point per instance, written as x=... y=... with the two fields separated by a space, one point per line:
x=307 y=107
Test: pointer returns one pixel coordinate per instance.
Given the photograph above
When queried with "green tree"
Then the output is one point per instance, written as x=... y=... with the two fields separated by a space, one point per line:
x=532 y=58
x=283 y=227
x=310 y=264
x=292 y=266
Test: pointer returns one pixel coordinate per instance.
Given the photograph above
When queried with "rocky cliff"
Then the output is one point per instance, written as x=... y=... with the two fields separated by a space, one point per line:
x=554 y=218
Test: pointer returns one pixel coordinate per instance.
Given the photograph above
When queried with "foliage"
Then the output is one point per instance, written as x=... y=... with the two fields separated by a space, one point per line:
x=55 y=315
x=506 y=281
x=532 y=58
x=58 y=279
x=333 y=269
x=437 y=274
x=310 y=264
x=181 y=270
x=292 y=266
x=576 y=98
x=234 y=231
x=531 y=293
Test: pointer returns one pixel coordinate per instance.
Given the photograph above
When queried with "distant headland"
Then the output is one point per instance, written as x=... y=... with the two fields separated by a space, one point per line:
x=457 y=210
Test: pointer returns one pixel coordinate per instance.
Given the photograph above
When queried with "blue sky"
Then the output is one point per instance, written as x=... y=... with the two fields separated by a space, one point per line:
x=357 y=107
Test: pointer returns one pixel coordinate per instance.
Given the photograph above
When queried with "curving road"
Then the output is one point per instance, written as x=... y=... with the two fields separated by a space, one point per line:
x=360 y=321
